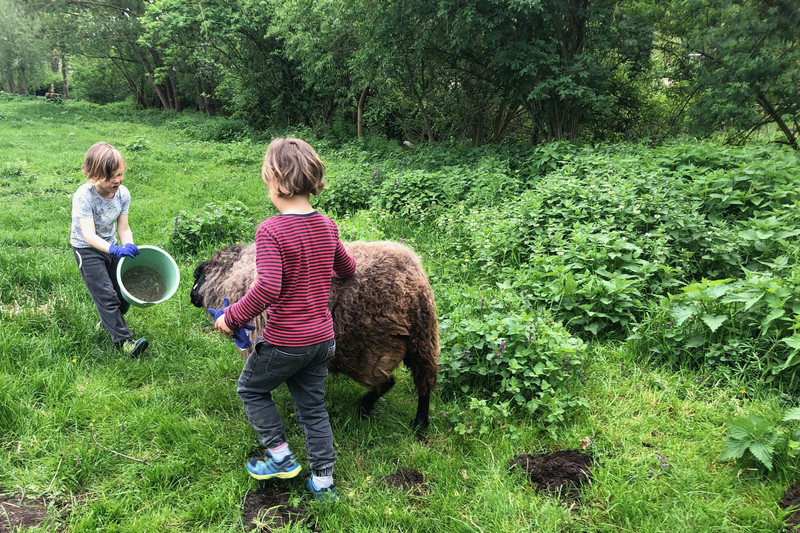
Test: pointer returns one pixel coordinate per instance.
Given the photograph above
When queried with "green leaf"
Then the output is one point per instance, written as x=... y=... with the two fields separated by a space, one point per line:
x=775 y=313
x=681 y=313
x=714 y=321
x=695 y=341
x=792 y=414
x=733 y=449
x=793 y=341
x=762 y=452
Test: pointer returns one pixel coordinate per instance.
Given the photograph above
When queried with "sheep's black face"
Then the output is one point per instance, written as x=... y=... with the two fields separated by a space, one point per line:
x=199 y=279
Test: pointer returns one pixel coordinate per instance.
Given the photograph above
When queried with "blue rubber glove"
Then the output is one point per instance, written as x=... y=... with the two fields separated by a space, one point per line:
x=132 y=248
x=240 y=337
x=120 y=251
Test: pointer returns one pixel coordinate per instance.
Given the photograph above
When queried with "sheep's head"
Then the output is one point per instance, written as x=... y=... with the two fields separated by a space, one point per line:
x=199 y=279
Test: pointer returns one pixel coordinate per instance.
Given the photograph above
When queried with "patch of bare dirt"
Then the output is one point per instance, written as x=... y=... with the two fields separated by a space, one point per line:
x=268 y=509
x=559 y=473
x=407 y=480
x=791 y=500
x=17 y=512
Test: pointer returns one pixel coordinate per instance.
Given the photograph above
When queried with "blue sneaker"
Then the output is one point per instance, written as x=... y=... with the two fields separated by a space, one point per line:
x=134 y=348
x=326 y=494
x=268 y=468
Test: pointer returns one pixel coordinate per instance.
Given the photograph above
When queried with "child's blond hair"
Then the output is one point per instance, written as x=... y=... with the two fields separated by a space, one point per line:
x=293 y=168
x=103 y=162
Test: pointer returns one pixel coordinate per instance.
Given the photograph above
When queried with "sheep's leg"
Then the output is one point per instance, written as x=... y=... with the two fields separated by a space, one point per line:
x=369 y=399
x=421 y=421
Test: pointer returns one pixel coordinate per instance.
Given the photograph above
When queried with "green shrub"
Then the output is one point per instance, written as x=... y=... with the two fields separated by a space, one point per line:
x=747 y=327
x=771 y=445
x=506 y=361
x=215 y=225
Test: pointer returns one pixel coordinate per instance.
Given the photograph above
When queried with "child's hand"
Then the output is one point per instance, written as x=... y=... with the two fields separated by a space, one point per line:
x=122 y=251
x=131 y=248
x=220 y=324
x=240 y=335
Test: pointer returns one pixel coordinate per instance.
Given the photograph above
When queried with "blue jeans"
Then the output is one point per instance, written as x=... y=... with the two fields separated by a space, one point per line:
x=304 y=370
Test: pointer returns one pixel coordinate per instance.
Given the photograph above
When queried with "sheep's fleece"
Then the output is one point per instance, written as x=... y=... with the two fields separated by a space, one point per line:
x=384 y=314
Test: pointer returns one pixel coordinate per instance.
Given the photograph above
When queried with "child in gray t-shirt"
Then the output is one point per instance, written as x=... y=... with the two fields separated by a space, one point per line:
x=99 y=213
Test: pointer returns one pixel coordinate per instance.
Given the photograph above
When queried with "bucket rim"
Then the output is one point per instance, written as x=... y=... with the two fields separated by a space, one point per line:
x=133 y=299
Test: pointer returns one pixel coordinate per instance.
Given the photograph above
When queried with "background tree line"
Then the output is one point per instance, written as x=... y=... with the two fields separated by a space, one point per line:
x=488 y=71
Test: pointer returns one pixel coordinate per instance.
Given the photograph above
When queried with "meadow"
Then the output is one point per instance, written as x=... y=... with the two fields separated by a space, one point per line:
x=632 y=302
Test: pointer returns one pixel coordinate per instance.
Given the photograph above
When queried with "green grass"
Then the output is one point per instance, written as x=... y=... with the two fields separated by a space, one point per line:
x=177 y=409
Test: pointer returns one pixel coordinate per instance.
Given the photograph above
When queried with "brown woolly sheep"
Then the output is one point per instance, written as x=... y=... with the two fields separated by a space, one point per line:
x=385 y=313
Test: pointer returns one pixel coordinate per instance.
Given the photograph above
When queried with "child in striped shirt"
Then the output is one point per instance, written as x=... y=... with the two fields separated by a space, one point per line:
x=297 y=252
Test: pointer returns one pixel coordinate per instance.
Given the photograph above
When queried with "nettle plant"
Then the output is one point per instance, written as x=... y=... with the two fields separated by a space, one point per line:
x=773 y=445
x=217 y=224
x=507 y=361
x=748 y=326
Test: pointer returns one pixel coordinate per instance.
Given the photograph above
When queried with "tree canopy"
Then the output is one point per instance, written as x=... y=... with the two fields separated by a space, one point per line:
x=488 y=71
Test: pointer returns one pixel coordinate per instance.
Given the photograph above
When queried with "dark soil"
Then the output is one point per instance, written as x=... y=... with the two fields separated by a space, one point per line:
x=407 y=480
x=144 y=283
x=16 y=512
x=268 y=509
x=791 y=500
x=557 y=474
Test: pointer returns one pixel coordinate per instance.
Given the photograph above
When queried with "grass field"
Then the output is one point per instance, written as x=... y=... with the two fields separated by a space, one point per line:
x=68 y=400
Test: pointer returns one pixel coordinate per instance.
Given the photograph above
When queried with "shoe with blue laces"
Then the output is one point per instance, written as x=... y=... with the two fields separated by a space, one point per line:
x=268 y=468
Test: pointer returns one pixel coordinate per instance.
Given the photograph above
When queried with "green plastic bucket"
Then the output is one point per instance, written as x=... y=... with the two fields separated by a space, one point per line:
x=151 y=277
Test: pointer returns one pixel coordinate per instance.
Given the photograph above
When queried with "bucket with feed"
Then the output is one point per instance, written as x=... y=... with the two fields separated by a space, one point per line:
x=149 y=278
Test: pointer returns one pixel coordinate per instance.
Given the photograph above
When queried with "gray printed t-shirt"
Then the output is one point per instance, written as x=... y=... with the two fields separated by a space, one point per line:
x=87 y=203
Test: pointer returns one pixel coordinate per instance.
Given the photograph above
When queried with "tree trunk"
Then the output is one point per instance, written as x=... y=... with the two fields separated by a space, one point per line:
x=173 y=80
x=360 y=114
x=775 y=116
x=65 y=81
x=22 y=82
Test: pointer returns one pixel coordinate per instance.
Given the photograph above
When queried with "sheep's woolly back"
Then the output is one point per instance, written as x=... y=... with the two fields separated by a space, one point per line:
x=384 y=314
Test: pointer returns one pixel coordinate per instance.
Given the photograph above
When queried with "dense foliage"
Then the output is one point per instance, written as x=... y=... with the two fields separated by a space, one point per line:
x=486 y=71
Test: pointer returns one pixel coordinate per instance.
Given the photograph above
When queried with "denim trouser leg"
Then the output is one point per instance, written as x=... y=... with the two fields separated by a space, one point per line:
x=99 y=272
x=304 y=370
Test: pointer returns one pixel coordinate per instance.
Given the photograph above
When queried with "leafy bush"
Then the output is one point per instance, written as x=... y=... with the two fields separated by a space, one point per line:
x=215 y=225
x=747 y=326
x=347 y=191
x=506 y=360
x=765 y=441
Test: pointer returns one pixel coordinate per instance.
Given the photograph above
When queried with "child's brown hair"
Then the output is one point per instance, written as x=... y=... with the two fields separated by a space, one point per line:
x=103 y=162
x=293 y=168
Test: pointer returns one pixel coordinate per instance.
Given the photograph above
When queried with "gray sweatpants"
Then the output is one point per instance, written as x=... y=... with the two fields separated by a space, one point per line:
x=99 y=273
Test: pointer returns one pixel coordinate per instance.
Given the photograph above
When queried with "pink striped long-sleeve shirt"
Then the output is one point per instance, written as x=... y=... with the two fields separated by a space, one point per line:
x=295 y=255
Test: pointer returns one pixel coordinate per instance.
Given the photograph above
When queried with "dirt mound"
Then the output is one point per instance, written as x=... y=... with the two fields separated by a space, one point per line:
x=406 y=480
x=16 y=512
x=268 y=509
x=557 y=474
x=791 y=500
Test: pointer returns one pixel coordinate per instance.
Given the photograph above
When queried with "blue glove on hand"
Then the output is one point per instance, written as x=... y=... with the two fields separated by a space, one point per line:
x=121 y=251
x=240 y=337
x=132 y=248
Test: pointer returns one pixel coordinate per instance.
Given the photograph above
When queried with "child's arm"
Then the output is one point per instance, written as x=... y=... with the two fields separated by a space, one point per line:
x=127 y=248
x=124 y=230
x=91 y=237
